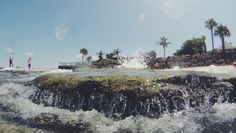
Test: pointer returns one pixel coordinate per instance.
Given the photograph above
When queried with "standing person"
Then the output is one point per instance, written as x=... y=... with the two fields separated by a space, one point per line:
x=29 y=62
x=11 y=60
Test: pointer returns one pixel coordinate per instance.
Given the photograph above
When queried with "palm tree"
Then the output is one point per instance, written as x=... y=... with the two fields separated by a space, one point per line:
x=116 y=52
x=211 y=24
x=100 y=54
x=222 y=31
x=89 y=58
x=84 y=52
x=163 y=42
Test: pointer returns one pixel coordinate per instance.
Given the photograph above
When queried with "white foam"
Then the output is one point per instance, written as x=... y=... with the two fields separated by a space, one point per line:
x=225 y=111
x=58 y=71
x=134 y=63
x=176 y=68
x=14 y=95
x=137 y=62
x=8 y=68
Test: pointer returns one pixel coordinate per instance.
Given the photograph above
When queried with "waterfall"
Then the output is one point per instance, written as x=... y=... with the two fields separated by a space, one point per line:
x=180 y=93
x=189 y=103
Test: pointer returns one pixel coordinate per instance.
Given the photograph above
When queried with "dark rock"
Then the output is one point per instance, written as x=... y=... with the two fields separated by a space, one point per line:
x=52 y=122
x=205 y=59
x=174 y=94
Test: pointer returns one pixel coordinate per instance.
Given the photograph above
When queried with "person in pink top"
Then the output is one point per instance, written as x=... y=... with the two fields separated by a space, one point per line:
x=29 y=63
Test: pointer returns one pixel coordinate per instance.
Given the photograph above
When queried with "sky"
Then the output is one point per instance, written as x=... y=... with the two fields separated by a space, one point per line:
x=52 y=31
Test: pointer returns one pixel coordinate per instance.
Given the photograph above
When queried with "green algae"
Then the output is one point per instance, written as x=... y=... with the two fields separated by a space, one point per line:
x=56 y=82
x=114 y=83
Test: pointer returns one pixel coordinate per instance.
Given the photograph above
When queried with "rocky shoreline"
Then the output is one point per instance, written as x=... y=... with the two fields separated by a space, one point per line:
x=185 y=61
x=118 y=97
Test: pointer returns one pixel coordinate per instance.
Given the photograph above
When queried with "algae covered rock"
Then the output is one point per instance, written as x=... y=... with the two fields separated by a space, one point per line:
x=115 y=83
x=56 y=82
x=104 y=63
x=120 y=96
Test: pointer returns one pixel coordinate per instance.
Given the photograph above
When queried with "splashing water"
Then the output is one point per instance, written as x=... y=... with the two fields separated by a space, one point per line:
x=14 y=103
x=137 y=62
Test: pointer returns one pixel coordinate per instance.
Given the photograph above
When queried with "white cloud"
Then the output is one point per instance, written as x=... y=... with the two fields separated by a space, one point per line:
x=62 y=31
x=141 y=17
x=29 y=54
x=173 y=8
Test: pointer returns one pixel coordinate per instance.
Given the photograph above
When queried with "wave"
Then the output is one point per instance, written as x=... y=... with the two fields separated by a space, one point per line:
x=136 y=62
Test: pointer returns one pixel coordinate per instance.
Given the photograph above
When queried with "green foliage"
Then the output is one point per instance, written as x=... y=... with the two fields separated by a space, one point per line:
x=114 y=55
x=191 y=47
x=204 y=44
x=104 y=63
x=210 y=23
x=84 y=51
x=150 y=59
x=111 y=56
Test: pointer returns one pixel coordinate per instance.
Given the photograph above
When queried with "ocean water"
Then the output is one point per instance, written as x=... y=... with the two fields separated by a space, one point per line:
x=17 y=112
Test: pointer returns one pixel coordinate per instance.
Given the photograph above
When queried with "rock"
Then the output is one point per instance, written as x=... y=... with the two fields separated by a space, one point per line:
x=104 y=63
x=121 y=96
x=52 y=122
x=205 y=59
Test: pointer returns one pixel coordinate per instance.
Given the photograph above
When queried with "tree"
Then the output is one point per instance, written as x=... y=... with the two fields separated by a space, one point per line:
x=222 y=31
x=100 y=55
x=110 y=56
x=163 y=42
x=211 y=24
x=116 y=52
x=150 y=59
x=191 y=47
x=84 y=52
x=89 y=58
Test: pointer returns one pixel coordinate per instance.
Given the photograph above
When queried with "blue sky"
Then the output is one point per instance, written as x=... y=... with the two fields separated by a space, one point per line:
x=55 y=30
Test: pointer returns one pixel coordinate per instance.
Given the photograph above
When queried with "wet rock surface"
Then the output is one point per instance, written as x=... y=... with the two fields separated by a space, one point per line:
x=119 y=99
x=51 y=121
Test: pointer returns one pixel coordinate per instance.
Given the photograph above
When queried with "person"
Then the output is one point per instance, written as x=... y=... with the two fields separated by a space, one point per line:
x=29 y=62
x=11 y=60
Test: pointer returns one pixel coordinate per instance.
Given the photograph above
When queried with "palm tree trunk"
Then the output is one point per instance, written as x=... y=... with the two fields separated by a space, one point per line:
x=212 y=39
x=223 y=48
x=223 y=44
x=164 y=52
x=83 y=59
